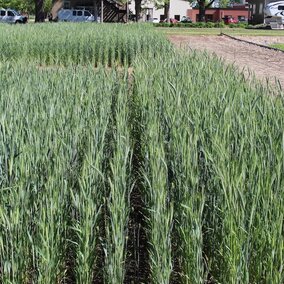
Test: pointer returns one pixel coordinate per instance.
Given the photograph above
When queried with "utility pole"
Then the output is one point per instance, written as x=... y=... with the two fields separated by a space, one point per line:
x=102 y=11
x=127 y=11
x=96 y=10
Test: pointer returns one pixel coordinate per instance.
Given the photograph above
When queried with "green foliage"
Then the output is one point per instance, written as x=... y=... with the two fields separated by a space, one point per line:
x=238 y=25
x=210 y=25
x=219 y=183
x=198 y=25
x=70 y=44
x=224 y=3
x=278 y=45
x=220 y=24
x=207 y=143
x=25 y=5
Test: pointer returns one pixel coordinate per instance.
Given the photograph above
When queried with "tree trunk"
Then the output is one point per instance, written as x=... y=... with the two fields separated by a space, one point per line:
x=202 y=10
x=167 y=11
x=56 y=6
x=138 y=9
x=39 y=11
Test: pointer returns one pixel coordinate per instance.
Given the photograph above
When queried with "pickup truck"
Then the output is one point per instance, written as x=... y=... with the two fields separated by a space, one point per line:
x=11 y=17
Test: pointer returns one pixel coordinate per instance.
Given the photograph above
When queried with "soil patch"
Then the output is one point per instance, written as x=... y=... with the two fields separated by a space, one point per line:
x=264 y=63
x=264 y=40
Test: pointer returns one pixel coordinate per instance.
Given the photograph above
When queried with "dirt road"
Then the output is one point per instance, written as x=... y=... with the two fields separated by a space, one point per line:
x=265 y=63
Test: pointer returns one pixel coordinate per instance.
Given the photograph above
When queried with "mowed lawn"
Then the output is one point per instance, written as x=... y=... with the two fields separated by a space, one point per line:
x=279 y=45
x=217 y=31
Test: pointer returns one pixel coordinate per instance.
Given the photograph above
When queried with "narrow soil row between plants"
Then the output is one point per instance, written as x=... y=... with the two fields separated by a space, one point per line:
x=137 y=256
x=137 y=262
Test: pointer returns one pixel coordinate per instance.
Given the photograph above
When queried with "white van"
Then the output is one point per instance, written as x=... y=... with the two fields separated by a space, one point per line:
x=11 y=17
x=70 y=15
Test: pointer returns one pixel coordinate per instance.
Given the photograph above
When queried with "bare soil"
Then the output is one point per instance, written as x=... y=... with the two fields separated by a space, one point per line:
x=264 y=63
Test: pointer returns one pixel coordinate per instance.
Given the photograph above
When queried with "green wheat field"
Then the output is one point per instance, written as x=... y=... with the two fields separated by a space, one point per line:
x=124 y=160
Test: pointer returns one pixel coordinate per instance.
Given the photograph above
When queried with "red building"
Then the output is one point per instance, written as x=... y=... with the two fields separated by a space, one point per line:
x=239 y=13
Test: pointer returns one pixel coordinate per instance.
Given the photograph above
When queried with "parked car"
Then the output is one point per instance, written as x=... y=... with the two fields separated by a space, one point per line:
x=186 y=19
x=242 y=19
x=230 y=20
x=172 y=21
x=11 y=16
x=70 y=15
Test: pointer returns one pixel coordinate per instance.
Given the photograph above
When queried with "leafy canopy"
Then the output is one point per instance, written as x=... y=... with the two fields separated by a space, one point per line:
x=24 y=5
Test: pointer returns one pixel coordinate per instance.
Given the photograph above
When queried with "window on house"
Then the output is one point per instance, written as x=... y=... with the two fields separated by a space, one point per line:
x=254 y=9
x=177 y=17
x=241 y=18
x=209 y=18
x=66 y=5
x=260 y=8
x=162 y=18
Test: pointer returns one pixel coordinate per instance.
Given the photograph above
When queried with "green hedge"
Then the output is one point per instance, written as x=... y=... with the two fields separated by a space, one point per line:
x=201 y=25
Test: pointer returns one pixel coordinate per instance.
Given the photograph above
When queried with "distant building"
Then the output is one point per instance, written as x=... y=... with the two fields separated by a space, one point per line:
x=239 y=13
x=113 y=11
x=150 y=11
x=256 y=15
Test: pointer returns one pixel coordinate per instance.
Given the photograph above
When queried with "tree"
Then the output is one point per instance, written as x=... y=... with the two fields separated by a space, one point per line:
x=203 y=5
x=224 y=3
x=20 y=5
x=37 y=7
x=39 y=11
x=167 y=10
x=159 y=4
x=42 y=7
x=138 y=9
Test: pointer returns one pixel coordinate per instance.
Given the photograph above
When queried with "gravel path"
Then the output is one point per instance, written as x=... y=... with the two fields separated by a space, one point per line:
x=266 y=64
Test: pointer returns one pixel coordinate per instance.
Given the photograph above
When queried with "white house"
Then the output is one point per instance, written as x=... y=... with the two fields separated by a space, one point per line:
x=114 y=11
x=178 y=9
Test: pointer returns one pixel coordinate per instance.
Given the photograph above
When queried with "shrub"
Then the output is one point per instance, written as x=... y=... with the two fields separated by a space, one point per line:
x=209 y=25
x=220 y=25
x=200 y=25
